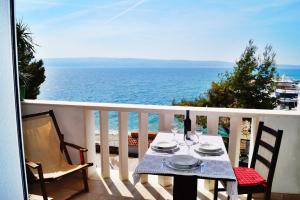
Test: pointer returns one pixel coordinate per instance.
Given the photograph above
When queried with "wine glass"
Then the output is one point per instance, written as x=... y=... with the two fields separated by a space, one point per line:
x=190 y=139
x=174 y=130
x=199 y=131
x=194 y=137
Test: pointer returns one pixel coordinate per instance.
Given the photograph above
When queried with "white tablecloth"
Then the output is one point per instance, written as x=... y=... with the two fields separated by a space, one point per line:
x=217 y=167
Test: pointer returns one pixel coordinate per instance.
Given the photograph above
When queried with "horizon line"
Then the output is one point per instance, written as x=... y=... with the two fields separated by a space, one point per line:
x=156 y=59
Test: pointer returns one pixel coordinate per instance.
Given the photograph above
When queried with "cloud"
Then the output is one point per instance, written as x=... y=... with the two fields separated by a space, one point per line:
x=207 y=29
x=125 y=11
x=82 y=14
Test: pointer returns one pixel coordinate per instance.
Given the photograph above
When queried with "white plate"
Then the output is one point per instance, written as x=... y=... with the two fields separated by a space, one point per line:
x=165 y=145
x=208 y=147
x=170 y=165
x=213 y=153
x=165 y=150
x=183 y=161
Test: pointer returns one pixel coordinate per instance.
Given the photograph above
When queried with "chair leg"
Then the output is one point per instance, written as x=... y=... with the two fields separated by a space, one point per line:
x=42 y=182
x=216 y=190
x=268 y=195
x=43 y=189
x=85 y=181
x=249 y=196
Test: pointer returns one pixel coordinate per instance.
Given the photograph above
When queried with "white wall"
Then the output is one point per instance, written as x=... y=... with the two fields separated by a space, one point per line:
x=287 y=174
x=70 y=121
x=10 y=166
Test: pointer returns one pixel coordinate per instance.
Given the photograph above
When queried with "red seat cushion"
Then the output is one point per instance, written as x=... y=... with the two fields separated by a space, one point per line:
x=134 y=141
x=248 y=176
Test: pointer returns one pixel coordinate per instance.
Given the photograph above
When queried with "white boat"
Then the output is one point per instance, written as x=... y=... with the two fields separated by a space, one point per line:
x=287 y=91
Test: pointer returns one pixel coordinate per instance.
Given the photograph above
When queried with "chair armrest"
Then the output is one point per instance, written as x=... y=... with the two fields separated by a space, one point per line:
x=76 y=146
x=38 y=167
x=32 y=165
x=81 y=151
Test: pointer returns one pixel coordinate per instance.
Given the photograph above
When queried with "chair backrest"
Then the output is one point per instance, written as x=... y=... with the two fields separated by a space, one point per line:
x=43 y=141
x=272 y=149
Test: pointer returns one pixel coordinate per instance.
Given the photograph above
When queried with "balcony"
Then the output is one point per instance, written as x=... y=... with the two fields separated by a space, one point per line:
x=110 y=177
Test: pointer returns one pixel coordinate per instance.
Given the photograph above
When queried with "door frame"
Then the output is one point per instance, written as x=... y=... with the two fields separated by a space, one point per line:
x=17 y=96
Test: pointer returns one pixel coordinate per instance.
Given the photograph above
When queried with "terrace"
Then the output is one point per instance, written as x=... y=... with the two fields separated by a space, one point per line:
x=110 y=177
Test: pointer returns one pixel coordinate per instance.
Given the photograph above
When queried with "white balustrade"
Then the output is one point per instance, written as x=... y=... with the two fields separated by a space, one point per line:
x=234 y=140
x=254 y=126
x=212 y=124
x=165 y=125
x=165 y=121
x=166 y=117
x=193 y=121
x=90 y=138
x=104 y=144
x=143 y=140
x=123 y=145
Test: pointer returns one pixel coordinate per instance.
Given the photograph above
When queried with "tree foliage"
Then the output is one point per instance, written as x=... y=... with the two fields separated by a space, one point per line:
x=249 y=85
x=31 y=71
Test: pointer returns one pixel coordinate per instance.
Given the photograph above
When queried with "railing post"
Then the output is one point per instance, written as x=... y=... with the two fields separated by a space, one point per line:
x=104 y=144
x=193 y=121
x=165 y=122
x=123 y=145
x=165 y=125
x=235 y=140
x=212 y=124
x=143 y=140
x=89 y=124
x=254 y=126
x=212 y=129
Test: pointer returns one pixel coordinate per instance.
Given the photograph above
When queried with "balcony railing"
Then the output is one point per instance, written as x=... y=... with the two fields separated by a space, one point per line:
x=77 y=121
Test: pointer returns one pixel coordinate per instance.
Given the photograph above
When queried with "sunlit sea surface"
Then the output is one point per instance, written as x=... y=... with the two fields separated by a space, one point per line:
x=115 y=82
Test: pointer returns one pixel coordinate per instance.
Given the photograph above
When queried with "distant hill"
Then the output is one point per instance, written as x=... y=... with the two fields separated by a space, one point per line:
x=141 y=63
x=132 y=63
x=283 y=66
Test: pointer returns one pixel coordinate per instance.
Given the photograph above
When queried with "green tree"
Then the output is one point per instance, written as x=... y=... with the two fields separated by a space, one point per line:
x=31 y=71
x=249 y=85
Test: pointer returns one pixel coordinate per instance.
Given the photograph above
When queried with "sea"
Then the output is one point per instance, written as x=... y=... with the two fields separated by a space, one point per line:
x=136 y=81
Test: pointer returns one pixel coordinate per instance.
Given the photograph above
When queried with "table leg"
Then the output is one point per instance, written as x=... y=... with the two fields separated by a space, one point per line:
x=185 y=188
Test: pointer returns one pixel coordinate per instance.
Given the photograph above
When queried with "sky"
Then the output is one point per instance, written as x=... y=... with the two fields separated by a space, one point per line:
x=162 y=29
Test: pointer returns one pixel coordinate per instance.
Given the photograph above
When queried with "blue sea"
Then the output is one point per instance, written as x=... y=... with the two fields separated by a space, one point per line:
x=133 y=81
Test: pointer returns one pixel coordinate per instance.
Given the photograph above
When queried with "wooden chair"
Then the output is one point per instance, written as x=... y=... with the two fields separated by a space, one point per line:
x=249 y=180
x=47 y=157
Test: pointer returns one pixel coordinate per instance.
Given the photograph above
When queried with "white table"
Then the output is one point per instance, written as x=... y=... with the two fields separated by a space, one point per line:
x=185 y=182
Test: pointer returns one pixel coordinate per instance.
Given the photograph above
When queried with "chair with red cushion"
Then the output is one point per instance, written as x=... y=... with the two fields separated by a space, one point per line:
x=249 y=180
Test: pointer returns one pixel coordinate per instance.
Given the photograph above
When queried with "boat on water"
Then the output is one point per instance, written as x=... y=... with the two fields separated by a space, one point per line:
x=287 y=91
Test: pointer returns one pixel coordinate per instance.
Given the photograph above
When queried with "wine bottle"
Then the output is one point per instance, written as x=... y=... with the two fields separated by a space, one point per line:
x=187 y=124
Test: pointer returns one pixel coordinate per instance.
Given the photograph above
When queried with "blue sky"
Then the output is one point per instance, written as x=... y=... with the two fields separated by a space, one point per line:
x=163 y=29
